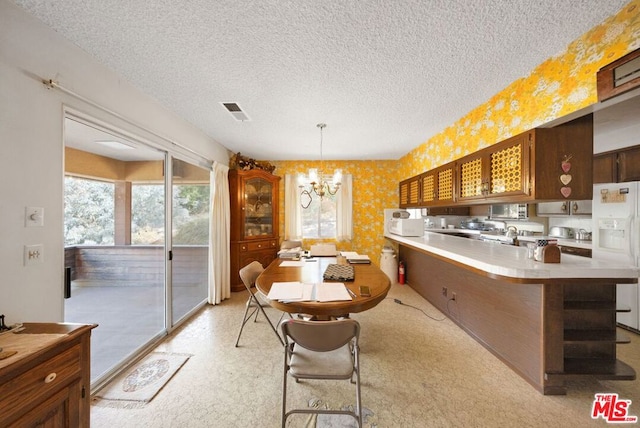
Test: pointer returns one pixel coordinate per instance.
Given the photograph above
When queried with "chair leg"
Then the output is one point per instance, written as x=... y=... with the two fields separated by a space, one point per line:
x=270 y=323
x=245 y=318
x=358 y=398
x=284 y=386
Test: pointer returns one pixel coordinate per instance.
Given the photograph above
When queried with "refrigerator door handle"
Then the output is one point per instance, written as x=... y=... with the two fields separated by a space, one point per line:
x=633 y=239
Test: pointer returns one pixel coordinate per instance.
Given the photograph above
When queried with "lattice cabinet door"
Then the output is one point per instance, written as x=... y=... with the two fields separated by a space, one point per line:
x=410 y=192
x=508 y=167
x=428 y=182
x=446 y=184
x=472 y=180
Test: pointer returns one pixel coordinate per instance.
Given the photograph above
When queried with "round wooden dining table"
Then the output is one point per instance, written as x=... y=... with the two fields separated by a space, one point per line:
x=312 y=273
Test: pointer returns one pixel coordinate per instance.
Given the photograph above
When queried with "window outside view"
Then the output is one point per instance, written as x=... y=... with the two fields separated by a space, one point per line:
x=319 y=220
x=89 y=213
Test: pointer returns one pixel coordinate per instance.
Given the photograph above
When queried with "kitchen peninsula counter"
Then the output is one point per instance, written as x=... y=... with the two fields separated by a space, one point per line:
x=547 y=321
x=511 y=261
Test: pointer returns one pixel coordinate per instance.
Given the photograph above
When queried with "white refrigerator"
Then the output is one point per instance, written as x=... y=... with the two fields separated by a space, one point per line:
x=616 y=237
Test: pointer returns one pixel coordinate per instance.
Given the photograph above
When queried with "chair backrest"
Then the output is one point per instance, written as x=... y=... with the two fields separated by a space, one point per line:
x=286 y=245
x=321 y=336
x=324 y=250
x=249 y=273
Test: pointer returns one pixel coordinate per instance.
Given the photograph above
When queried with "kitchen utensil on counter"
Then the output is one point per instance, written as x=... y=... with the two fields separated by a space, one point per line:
x=583 y=235
x=561 y=232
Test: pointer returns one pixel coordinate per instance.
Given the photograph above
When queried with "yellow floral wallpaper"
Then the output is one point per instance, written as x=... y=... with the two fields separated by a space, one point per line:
x=375 y=187
x=559 y=86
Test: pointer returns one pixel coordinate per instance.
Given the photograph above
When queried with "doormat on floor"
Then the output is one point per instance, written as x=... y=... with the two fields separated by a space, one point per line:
x=138 y=385
x=338 y=421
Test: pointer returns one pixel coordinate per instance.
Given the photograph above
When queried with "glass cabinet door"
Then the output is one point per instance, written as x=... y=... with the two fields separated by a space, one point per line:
x=258 y=208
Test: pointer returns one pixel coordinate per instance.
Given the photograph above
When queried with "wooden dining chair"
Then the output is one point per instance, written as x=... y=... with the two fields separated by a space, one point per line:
x=255 y=302
x=321 y=350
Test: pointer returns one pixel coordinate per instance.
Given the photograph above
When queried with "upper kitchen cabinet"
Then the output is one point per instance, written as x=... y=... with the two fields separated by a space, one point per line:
x=540 y=164
x=605 y=168
x=500 y=171
x=620 y=76
x=438 y=186
x=410 y=192
x=618 y=166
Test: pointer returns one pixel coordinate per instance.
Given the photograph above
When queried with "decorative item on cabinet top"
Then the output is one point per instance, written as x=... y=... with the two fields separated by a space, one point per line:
x=237 y=161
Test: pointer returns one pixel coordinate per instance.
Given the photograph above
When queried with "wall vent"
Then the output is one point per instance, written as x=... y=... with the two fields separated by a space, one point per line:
x=236 y=111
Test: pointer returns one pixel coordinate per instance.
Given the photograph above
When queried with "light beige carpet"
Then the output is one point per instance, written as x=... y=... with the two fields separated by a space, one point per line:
x=142 y=382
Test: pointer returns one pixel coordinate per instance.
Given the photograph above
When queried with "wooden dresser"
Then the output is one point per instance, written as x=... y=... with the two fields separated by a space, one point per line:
x=47 y=382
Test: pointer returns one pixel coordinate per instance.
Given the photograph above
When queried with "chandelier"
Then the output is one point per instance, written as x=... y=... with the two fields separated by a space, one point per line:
x=318 y=184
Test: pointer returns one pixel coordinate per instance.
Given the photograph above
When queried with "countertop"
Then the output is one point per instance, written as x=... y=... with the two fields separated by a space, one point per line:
x=511 y=261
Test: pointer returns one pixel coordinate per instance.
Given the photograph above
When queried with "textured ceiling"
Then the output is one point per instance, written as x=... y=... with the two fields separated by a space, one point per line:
x=384 y=75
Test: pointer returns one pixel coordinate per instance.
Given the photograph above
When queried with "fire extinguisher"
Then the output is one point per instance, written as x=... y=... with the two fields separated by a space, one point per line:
x=401 y=273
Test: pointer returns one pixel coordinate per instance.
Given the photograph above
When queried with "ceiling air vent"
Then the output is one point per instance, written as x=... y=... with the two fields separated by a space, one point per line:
x=236 y=111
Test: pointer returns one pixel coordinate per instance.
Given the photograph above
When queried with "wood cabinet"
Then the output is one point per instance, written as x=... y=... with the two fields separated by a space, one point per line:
x=410 y=192
x=47 y=383
x=620 y=76
x=540 y=164
x=564 y=208
x=590 y=337
x=605 y=168
x=254 y=220
x=618 y=166
x=438 y=186
x=543 y=164
x=629 y=165
x=501 y=170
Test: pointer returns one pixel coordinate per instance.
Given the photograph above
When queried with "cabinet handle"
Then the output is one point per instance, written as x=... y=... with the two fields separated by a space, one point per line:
x=563 y=208
x=575 y=207
x=50 y=377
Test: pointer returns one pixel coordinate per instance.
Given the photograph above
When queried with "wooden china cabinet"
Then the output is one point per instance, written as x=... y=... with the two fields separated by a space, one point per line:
x=254 y=220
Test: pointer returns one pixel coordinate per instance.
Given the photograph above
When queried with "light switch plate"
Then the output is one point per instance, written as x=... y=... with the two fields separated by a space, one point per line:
x=33 y=254
x=34 y=216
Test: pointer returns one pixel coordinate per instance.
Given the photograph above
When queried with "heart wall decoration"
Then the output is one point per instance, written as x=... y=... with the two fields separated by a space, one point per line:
x=566 y=177
x=566 y=191
x=566 y=165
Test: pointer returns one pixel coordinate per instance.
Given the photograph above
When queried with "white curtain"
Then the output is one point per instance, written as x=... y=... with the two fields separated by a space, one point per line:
x=344 y=208
x=292 y=209
x=219 y=240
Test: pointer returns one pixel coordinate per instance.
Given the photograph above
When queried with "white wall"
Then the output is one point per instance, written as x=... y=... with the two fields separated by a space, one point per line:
x=31 y=141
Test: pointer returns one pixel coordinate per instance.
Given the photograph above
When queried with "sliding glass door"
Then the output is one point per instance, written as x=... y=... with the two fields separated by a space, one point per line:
x=189 y=238
x=124 y=272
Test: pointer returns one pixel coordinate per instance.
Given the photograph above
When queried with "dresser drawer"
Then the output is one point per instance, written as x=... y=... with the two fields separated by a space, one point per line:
x=41 y=381
x=262 y=245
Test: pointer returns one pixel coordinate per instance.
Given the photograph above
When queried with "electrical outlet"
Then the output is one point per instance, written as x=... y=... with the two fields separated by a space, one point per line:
x=33 y=254
x=453 y=296
x=444 y=291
